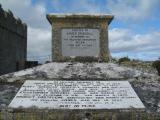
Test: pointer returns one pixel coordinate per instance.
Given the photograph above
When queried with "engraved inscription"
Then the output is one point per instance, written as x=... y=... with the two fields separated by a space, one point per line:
x=80 y=42
x=77 y=95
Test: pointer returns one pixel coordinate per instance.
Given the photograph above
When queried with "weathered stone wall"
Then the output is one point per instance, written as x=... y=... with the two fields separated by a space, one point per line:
x=13 y=43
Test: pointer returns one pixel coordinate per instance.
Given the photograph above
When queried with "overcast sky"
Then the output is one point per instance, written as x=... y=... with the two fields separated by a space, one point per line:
x=134 y=32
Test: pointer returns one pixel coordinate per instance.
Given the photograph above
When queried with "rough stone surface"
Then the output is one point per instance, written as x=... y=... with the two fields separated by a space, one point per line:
x=146 y=85
x=77 y=71
x=7 y=92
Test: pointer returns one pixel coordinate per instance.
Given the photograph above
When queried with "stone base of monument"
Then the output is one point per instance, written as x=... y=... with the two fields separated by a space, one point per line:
x=124 y=100
x=45 y=114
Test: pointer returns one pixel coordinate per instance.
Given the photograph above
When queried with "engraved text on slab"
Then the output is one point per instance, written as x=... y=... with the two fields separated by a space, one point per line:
x=77 y=95
x=80 y=42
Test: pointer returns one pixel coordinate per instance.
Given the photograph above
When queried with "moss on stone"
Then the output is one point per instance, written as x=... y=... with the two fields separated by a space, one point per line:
x=78 y=115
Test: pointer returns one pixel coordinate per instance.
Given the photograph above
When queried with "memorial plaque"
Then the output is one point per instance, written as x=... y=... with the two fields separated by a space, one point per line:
x=80 y=42
x=77 y=95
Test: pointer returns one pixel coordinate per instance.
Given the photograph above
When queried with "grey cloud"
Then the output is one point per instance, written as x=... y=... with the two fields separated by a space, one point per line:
x=133 y=10
x=80 y=6
x=132 y=42
x=39 y=42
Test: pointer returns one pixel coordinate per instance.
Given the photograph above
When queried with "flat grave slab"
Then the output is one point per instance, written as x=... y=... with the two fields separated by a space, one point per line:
x=76 y=95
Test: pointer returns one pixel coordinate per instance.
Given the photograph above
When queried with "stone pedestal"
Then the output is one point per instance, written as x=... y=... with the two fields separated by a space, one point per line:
x=80 y=37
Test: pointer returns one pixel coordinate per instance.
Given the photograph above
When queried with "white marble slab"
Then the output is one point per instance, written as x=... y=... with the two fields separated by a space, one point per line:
x=80 y=42
x=76 y=95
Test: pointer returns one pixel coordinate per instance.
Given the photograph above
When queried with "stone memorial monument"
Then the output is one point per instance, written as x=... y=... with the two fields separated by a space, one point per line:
x=83 y=86
x=80 y=37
